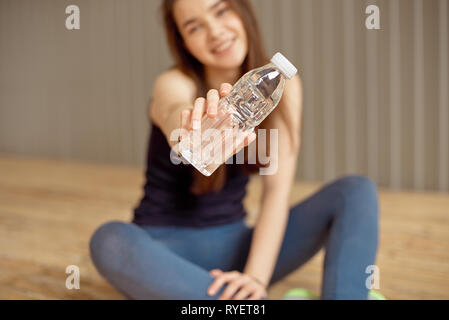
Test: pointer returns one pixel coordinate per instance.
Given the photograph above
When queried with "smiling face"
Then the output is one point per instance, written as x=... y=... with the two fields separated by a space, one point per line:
x=212 y=32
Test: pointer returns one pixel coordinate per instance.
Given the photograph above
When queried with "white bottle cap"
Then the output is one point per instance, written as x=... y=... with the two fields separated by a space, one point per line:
x=286 y=67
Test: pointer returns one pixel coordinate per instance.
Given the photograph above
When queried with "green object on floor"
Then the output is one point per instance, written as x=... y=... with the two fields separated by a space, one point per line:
x=300 y=294
x=304 y=294
x=375 y=295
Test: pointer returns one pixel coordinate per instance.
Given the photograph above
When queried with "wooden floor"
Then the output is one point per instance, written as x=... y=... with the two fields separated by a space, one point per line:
x=49 y=209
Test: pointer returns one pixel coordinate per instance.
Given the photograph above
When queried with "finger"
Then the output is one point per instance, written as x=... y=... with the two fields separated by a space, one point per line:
x=225 y=89
x=219 y=282
x=197 y=114
x=215 y=272
x=257 y=295
x=212 y=103
x=232 y=288
x=243 y=293
x=185 y=120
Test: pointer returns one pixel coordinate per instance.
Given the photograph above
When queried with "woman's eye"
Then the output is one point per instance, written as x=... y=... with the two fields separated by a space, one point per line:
x=222 y=11
x=193 y=29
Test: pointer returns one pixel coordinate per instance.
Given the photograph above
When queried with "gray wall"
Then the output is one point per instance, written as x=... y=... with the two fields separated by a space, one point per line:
x=376 y=101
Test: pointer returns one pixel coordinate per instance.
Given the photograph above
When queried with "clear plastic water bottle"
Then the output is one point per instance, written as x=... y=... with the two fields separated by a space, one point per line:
x=251 y=100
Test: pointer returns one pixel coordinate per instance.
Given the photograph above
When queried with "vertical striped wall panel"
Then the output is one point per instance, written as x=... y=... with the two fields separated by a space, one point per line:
x=376 y=102
x=443 y=102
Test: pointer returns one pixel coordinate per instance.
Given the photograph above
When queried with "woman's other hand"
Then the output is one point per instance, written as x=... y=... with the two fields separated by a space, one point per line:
x=240 y=286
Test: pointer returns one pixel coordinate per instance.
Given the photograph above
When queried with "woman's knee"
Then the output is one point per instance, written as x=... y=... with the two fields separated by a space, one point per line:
x=107 y=239
x=358 y=190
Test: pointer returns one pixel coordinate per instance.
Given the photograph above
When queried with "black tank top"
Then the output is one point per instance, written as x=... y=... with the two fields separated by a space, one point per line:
x=168 y=201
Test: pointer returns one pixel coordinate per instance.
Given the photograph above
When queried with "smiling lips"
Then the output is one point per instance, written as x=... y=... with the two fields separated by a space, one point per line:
x=223 y=47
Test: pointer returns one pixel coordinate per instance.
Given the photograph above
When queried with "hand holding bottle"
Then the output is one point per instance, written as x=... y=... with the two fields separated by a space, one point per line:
x=192 y=118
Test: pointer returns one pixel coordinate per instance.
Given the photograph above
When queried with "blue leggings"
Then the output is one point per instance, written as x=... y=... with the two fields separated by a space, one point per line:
x=172 y=262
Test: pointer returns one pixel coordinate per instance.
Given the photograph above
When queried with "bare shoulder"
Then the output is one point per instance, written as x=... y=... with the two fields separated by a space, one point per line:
x=294 y=85
x=293 y=95
x=174 y=81
x=171 y=87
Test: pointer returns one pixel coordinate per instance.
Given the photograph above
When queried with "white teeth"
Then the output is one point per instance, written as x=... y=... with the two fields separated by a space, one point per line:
x=224 y=46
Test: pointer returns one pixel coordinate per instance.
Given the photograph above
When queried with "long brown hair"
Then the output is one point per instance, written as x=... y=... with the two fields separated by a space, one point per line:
x=184 y=61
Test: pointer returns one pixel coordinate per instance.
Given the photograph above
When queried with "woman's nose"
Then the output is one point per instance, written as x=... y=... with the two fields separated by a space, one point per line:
x=215 y=30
